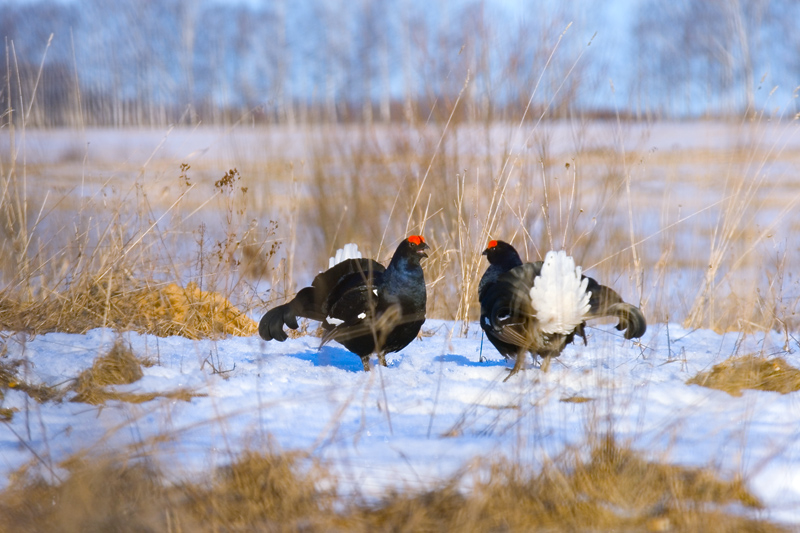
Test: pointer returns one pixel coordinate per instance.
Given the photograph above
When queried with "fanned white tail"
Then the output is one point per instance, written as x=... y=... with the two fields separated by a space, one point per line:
x=349 y=251
x=559 y=295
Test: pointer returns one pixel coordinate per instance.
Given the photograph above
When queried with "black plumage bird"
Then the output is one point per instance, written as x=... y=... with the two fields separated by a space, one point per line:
x=540 y=307
x=362 y=305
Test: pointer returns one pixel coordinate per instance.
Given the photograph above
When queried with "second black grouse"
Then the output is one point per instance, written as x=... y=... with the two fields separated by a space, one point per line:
x=540 y=307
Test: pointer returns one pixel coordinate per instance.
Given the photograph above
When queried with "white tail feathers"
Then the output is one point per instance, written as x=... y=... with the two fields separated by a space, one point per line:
x=349 y=251
x=559 y=295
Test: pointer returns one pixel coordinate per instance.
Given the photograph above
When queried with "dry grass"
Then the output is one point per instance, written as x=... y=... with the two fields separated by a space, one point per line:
x=262 y=491
x=102 y=495
x=459 y=187
x=576 y=399
x=159 y=310
x=10 y=379
x=753 y=372
x=614 y=489
x=119 y=366
x=193 y=313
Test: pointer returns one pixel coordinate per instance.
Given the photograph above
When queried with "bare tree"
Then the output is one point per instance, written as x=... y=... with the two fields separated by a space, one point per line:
x=702 y=57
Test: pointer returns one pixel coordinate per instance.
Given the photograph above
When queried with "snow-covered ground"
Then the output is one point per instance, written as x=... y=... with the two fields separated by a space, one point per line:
x=421 y=419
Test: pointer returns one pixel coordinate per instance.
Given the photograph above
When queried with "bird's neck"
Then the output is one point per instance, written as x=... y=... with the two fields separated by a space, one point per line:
x=509 y=263
x=401 y=272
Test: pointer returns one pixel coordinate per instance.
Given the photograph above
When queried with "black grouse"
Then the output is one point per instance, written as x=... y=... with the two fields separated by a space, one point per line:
x=362 y=305
x=540 y=307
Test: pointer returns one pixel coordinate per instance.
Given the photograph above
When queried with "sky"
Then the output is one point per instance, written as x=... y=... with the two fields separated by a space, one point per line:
x=178 y=53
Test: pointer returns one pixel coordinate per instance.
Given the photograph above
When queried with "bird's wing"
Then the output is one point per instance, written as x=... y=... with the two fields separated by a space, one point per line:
x=512 y=290
x=351 y=306
x=325 y=282
x=514 y=334
x=606 y=302
x=354 y=310
x=311 y=302
x=378 y=326
x=329 y=286
x=506 y=305
x=354 y=296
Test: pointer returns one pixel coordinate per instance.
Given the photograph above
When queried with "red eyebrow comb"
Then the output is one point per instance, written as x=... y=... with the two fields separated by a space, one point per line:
x=416 y=239
x=492 y=243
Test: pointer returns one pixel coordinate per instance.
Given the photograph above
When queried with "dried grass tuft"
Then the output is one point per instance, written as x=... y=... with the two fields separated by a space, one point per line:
x=193 y=313
x=119 y=367
x=129 y=305
x=267 y=491
x=10 y=379
x=750 y=372
x=576 y=399
x=99 y=495
x=613 y=489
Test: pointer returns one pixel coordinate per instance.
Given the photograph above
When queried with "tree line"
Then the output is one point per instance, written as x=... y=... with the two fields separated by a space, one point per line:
x=157 y=62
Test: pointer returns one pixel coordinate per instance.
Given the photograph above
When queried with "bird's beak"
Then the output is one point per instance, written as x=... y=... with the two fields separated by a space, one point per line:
x=485 y=252
x=422 y=249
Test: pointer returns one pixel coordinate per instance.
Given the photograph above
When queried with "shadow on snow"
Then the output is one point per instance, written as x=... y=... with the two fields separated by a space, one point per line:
x=460 y=360
x=339 y=357
x=334 y=356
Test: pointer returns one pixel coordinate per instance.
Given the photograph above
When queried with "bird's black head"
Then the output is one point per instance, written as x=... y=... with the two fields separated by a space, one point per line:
x=502 y=254
x=412 y=248
x=416 y=245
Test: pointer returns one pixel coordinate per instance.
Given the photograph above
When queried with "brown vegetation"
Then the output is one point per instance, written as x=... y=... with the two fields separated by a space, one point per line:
x=753 y=372
x=614 y=489
x=160 y=310
x=118 y=367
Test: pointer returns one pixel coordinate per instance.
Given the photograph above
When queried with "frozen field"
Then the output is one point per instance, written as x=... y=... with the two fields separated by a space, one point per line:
x=419 y=420
x=682 y=219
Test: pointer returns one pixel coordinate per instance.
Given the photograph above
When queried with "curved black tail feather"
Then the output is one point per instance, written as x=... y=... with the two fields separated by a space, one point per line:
x=606 y=302
x=271 y=325
x=631 y=319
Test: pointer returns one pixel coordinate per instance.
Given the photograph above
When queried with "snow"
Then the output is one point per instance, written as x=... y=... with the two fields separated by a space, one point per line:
x=138 y=147
x=432 y=411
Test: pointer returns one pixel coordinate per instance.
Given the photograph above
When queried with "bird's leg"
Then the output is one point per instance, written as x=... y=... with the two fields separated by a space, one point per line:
x=518 y=363
x=582 y=332
x=382 y=359
x=365 y=361
x=545 y=363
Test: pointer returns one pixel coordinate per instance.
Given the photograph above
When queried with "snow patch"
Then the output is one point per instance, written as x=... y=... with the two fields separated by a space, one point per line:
x=431 y=412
